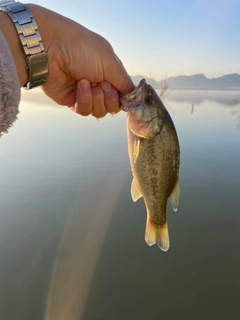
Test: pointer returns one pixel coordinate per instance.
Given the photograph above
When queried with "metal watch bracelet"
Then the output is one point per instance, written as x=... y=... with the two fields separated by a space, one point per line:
x=37 y=59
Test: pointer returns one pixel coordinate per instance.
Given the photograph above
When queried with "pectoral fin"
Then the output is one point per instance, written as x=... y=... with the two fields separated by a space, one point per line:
x=136 y=148
x=174 y=197
x=136 y=194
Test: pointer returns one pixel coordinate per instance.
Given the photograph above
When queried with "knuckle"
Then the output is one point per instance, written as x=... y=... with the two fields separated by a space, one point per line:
x=97 y=93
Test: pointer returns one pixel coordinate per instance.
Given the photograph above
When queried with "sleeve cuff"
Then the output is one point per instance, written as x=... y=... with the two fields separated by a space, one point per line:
x=9 y=88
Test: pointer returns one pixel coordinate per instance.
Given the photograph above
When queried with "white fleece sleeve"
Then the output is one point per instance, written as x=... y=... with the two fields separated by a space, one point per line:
x=9 y=88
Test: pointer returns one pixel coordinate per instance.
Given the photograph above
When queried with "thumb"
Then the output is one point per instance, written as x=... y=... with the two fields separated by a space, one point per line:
x=118 y=76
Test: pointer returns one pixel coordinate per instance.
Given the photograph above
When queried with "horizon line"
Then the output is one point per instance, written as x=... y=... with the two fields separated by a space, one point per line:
x=183 y=75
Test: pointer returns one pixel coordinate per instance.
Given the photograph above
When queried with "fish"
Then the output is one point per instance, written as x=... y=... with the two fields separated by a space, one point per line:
x=154 y=154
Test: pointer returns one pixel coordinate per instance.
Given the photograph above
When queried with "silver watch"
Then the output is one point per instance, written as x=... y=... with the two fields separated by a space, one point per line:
x=37 y=59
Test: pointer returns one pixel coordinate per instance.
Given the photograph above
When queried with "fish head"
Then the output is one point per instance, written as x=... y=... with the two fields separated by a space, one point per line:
x=141 y=102
x=144 y=108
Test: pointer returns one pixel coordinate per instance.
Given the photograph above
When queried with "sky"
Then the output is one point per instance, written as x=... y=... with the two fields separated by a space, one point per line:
x=164 y=38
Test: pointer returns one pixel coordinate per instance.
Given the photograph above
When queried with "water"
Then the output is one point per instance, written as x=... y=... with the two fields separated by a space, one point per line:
x=72 y=241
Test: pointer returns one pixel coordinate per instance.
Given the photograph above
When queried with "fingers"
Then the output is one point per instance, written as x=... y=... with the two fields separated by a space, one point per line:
x=98 y=107
x=111 y=98
x=84 y=99
x=96 y=99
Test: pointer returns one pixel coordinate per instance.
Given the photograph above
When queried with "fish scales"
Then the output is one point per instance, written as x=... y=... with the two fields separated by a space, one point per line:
x=154 y=175
x=154 y=154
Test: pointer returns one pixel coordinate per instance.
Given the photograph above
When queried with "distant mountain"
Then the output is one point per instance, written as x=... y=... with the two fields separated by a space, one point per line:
x=197 y=82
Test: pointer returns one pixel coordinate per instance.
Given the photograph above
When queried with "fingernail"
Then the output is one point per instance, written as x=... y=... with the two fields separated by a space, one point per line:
x=106 y=86
x=84 y=85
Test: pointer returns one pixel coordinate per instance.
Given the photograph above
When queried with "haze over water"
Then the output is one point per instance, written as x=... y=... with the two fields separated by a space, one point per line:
x=72 y=241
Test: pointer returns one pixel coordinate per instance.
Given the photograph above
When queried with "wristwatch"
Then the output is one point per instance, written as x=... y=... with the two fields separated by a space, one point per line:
x=37 y=58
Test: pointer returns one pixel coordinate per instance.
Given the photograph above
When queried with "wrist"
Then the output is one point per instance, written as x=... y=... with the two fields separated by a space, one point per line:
x=26 y=43
x=43 y=21
x=8 y=30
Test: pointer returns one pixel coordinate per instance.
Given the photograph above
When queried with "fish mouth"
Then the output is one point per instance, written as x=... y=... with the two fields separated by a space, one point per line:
x=134 y=98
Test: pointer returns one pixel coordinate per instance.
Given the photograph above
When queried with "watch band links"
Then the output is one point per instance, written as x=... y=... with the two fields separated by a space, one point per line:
x=37 y=59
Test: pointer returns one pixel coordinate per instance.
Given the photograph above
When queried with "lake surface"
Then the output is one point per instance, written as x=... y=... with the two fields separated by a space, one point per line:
x=72 y=241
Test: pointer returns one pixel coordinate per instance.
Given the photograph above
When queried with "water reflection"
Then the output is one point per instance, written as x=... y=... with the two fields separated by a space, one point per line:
x=72 y=242
x=81 y=246
x=225 y=98
x=228 y=99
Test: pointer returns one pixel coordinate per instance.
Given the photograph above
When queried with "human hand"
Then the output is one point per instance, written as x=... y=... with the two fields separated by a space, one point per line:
x=84 y=72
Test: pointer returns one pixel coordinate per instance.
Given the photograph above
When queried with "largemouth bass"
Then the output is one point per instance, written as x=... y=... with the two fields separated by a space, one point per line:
x=154 y=154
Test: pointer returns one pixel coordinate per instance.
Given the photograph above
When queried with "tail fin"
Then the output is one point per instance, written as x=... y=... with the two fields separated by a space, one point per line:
x=157 y=234
x=163 y=237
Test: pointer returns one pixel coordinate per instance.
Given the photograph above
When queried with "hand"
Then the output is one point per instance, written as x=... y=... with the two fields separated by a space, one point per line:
x=84 y=72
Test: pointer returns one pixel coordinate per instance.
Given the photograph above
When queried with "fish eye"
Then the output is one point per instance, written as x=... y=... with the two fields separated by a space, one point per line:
x=149 y=100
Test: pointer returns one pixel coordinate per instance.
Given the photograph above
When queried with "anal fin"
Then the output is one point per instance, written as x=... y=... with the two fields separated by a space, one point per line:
x=136 y=194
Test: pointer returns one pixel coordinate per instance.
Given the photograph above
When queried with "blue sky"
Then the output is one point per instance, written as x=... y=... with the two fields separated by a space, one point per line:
x=165 y=37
